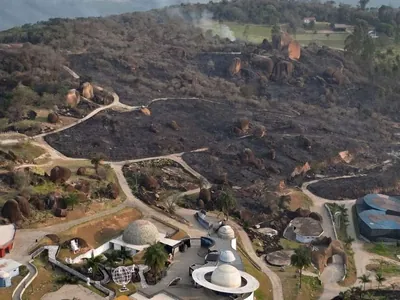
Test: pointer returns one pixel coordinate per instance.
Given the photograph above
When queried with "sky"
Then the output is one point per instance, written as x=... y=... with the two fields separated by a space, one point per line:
x=18 y=12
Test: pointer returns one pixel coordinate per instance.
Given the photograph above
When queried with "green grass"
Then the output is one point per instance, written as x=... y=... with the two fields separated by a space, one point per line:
x=256 y=34
x=383 y=249
x=45 y=188
x=25 y=151
x=386 y=268
x=289 y=245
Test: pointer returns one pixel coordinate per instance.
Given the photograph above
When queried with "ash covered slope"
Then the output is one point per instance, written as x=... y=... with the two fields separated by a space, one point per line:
x=19 y=12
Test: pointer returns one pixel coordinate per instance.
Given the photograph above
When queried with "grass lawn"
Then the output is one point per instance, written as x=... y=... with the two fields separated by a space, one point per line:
x=265 y=289
x=299 y=199
x=383 y=249
x=311 y=287
x=26 y=151
x=100 y=230
x=112 y=286
x=45 y=282
x=256 y=34
x=387 y=269
x=289 y=245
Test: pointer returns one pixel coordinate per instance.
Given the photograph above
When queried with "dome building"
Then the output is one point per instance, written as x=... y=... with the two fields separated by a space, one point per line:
x=141 y=232
x=226 y=232
x=226 y=280
x=227 y=257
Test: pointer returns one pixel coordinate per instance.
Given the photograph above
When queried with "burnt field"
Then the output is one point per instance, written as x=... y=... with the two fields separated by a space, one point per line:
x=290 y=139
x=377 y=181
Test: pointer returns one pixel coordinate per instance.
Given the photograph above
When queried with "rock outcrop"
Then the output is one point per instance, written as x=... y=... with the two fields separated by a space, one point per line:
x=82 y=171
x=150 y=183
x=294 y=50
x=323 y=256
x=24 y=206
x=301 y=170
x=11 y=211
x=282 y=70
x=235 y=66
x=87 y=90
x=72 y=98
x=145 y=111
x=279 y=42
x=60 y=174
x=53 y=118
x=265 y=63
x=205 y=195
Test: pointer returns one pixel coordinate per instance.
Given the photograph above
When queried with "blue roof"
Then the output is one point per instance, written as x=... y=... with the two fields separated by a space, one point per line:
x=382 y=202
x=376 y=219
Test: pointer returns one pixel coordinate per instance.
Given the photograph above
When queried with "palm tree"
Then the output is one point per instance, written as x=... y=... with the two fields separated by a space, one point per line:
x=379 y=278
x=96 y=161
x=112 y=258
x=94 y=263
x=301 y=259
x=155 y=257
x=123 y=254
x=364 y=279
x=71 y=200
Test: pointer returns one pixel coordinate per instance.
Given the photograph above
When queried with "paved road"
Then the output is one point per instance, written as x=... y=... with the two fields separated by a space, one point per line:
x=19 y=291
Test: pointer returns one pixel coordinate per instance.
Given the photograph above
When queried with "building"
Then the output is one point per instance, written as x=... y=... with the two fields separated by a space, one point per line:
x=8 y=269
x=342 y=27
x=378 y=217
x=309 y=20
x=7 y=234
x=226 y=280
x=303 y=230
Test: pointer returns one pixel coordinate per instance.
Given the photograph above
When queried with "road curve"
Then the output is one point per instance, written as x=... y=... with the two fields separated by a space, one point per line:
x=18 y=292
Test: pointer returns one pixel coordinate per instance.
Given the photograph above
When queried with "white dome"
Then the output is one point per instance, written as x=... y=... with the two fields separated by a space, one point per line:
x=141 y=232
x=4 y=274
x=227 y=256
x=226 y=276
x=226 y=232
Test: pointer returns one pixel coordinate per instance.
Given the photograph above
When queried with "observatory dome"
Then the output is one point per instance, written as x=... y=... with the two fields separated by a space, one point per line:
x=227 y=256
x=226 y=232
x=226 y=276
x=141 y=232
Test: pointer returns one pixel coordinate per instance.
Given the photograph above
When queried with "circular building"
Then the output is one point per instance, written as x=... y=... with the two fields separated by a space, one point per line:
x=378 y=216
x=227 y=280
x=141 y=232
x=227 y=256
x=226 y=276
x=226 y=232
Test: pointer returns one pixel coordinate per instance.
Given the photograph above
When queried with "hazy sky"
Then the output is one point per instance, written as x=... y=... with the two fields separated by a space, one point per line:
x=18 y=12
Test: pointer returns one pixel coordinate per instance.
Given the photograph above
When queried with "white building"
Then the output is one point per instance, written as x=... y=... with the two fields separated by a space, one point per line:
x=309 y=20
x=303 y=230
x=8 y=269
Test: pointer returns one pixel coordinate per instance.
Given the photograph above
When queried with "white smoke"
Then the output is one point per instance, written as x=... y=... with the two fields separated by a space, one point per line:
x=205 y=22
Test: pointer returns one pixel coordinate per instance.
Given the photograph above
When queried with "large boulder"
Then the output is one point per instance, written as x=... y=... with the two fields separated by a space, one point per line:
x=60 y=174
x=265 y=63
x=87 y=90
x=53 y=118
x=293 y=50
x=82 y=171
x=301 y=170
x=83 y=186
x=11 y=211
x=60 y=212
x=145 y=111
x=282 y=70
x=235 y=66
x=112 y=190
x=244 y=124
x=150 y=183
x=31 y=114
x=24 y=206
x=72 y=98
x=281 y=41
x=266 y=45
x=37 y=202
x=205 y=195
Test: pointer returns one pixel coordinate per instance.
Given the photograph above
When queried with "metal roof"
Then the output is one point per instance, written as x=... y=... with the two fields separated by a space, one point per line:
x=382 y=202
x=376 y=219
x=7 y=265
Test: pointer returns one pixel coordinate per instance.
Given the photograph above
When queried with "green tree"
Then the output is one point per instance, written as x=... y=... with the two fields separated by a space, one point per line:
x=94 y=263
x=226 y=201
x=364 y=279
x=275 y=30
x=71 y=200
x=348 y=241
x=379 y=278
x=96 y=160
x=246 y=32
x=301 y=259
x=359 y=43
x=155 y=257
x=123 y=254
x=112 y=258
x=363 y=4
